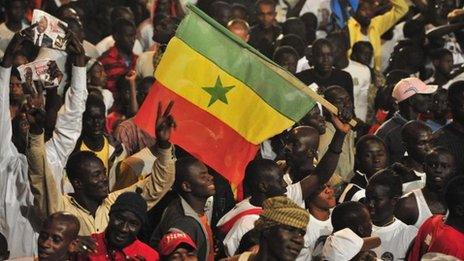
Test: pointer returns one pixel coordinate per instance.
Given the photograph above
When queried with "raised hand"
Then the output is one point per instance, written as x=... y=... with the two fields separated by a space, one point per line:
x=341 y=121
x=86 y=245
x=131 y=76
x=36 y=119
x=164 y=125
x=15 y=44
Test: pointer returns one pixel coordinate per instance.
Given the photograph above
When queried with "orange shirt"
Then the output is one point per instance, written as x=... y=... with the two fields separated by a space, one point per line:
x=204 y=222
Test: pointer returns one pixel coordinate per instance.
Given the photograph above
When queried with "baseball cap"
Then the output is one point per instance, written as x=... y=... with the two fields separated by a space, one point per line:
x=172 y=241
x=345 y=244
x=410 y=86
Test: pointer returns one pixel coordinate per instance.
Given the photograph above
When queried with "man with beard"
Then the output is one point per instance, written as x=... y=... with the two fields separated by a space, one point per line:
x=119 y=241
x=415 y=208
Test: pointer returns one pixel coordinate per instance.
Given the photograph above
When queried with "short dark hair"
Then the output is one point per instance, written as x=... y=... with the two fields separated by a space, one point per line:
x=454 y=194
x=388 y=178
x=254 y=173
x=346 y=215
x=182 y=168
x=265 y=2
x=340 y=39
x=310 y=20
x=78 y=159
x=332 y=90
x=118 y=12
x=120 y=23
x=368 y=138
x=294 y=25
x=294 y=41
x=319 y=43
x=412 y=28
x=282 y=50
x=95 y=101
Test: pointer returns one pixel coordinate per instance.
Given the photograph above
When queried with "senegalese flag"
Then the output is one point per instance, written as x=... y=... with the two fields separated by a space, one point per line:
x=228 y=97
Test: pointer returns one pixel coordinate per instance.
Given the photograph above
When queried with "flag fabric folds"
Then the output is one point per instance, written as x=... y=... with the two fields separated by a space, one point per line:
x=228 y=98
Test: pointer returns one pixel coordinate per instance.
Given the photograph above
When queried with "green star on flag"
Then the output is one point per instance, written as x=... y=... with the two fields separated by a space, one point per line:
x=218 y=92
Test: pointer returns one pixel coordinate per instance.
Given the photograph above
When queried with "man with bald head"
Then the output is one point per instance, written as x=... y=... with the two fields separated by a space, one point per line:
x=58 y=238
x=240 y=28
x=417 y=139
x=300 y=152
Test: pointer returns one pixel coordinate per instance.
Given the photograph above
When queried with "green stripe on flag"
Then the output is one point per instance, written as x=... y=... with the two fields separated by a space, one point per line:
x=269 y=81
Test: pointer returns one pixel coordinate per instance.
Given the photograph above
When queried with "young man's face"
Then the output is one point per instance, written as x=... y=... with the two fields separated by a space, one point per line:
x=94 y=180
x=445 y=64
x=98 y=76
x=240 y=32
x=93 y=121
x=420 y=144
x=125 y=38
x=439 y=168
x=201 y=182
x=285 y=242
x=301 y=148
x=54 y=240
x=123 y=228
x=372 y=158
x=379 y=203
x=325 y=199
x=323 y=58
x=365 y=13
x=16 y=88
x=164 y=31
x=289 y=62
x=183 y=254
x=364 y=56
x=266 y=15
x=275 y=183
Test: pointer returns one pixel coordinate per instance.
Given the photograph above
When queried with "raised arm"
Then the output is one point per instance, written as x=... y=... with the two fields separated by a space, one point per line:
x=158 y=183
x=439 y=31
x=390 y=18
x=68 y=125
x=47 y=197
x=326 y=167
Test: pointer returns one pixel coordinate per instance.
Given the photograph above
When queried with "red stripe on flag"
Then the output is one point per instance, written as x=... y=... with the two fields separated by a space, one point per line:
x=200 y=133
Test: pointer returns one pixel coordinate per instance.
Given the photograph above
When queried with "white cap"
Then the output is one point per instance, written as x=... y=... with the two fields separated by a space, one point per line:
x=342 y=245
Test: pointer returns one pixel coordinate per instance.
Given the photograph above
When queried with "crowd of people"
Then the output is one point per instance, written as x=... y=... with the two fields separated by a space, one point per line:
x=79 y=180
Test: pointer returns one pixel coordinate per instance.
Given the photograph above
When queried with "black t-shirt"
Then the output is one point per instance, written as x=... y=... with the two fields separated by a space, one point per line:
x=338 y=77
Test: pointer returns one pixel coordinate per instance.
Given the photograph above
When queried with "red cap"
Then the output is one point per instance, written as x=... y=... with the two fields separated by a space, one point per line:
x=171 y=241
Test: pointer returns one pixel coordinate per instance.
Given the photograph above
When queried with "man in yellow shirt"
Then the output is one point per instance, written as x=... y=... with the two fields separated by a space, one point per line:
x=91 y=201
x=365 y=26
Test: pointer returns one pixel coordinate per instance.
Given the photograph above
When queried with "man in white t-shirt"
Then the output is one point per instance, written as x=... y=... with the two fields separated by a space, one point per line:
x=15 y=13
x=264 y=179
x=320 y=208
x=360 y=73
x=382 y=193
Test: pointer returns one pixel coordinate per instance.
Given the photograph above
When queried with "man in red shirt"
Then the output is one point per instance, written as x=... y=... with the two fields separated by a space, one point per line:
x=119 y=241
x=444 y=235
x=119 y=59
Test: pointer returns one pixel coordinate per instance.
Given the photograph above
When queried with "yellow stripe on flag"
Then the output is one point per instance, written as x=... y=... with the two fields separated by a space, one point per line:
x=192 y=76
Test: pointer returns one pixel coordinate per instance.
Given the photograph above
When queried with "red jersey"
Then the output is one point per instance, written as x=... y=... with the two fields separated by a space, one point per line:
x=435 y=236
x=137 y=248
